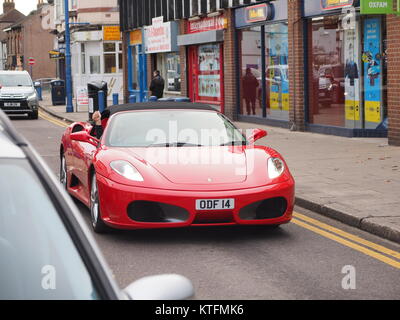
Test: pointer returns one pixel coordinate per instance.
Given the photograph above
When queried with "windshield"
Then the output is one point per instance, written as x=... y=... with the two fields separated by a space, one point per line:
x=15 y=80
x=172 y=128
x=38 y=259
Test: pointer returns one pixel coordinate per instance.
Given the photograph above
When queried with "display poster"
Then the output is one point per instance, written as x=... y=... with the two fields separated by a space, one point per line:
x=373 y=70
x=209 y=86
x=209 y=58
x=277 y=70
x=352 y=75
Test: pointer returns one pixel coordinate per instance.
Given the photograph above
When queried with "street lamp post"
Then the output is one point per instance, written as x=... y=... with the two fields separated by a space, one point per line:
x=68 y=75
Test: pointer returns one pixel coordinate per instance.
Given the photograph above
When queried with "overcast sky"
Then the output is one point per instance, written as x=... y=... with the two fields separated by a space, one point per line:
x=24 y=6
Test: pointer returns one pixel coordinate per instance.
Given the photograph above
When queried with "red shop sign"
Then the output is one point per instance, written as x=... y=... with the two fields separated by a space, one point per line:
x=207 y=24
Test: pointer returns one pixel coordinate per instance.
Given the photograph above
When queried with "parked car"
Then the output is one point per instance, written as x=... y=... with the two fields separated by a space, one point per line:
x=46 y=249
x=132 y=181
x=17 y=94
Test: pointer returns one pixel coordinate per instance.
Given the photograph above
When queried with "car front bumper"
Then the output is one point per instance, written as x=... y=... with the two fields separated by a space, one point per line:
x=115 y=199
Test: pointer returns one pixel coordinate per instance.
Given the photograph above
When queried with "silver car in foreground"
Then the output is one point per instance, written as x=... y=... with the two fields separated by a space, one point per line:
x=46 y=249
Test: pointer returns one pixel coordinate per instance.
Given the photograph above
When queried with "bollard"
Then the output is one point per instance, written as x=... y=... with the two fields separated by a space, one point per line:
x=132 y=98
x=39 y=93
x=115 y=99
x=153 y=98
x=101 y=101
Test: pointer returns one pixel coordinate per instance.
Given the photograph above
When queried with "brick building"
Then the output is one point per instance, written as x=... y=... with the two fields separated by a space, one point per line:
x=319 y=66
x=9 y=16
x=31 y=37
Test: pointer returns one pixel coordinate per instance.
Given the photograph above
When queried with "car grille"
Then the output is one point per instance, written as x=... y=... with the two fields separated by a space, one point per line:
x=5 y=96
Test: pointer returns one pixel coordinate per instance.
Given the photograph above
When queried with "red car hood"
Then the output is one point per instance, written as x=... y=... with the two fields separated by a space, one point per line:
x=196 y=166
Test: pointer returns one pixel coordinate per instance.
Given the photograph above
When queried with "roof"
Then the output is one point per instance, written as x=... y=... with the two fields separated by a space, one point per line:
x=167 y=105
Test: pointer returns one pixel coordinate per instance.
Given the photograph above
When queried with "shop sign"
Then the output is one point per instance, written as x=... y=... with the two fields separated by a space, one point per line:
x=207 y=24
x=260 y=12
x=376 y=6
x=335 y=4
x=135 y=37
x=111 y=33
x=54 y=54
x=161 y=36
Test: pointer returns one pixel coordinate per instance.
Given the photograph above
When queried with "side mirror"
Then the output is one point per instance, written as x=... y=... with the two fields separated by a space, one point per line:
x=83 y=136
x=161 y=287
x=37 y=84
x=257 y=134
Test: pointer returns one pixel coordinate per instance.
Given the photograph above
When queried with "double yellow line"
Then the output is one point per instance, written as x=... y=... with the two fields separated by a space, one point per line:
x=366 y=247
x=52 y=119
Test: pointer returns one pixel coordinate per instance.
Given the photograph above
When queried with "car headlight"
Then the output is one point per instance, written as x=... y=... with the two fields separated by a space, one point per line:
x=275 y=167
x=32 y=97
x=125 y=169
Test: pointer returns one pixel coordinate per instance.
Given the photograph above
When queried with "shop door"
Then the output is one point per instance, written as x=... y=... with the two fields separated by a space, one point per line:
x=206 y=74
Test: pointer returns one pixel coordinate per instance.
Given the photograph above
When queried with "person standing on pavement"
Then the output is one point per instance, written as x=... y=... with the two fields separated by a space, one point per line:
x=157 y=85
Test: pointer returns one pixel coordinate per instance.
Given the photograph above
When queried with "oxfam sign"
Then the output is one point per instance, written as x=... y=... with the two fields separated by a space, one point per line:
x=376 y=6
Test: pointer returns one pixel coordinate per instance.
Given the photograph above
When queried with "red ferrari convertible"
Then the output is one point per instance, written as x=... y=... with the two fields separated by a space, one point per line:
x=169 y=164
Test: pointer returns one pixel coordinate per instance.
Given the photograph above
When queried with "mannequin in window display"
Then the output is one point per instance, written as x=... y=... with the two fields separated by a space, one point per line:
x=250 y=85
x=351 y=72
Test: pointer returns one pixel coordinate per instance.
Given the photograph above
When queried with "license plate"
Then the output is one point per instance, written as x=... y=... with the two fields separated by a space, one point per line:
x=215 y=204
x=12 y=104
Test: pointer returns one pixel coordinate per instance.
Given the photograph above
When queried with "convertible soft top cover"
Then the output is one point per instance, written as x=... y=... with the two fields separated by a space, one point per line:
x=164 y=105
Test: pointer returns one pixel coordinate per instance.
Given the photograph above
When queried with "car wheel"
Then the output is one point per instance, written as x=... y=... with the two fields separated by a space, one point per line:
x=63 y=173
x=97 y=223
x=34 y=115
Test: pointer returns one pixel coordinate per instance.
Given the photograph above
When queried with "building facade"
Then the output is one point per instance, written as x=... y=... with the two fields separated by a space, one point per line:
x=324 y=66
x=96 y=45
x=30 y=38
x=9 y=17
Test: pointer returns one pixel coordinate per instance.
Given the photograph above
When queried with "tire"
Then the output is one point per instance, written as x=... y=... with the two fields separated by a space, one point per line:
x=63 y=173
x=98 y=224
x=34 y=115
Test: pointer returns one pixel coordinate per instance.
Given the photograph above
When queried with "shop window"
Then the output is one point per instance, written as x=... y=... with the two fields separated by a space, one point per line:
x=169 y=66
x=265 y=93
x=347 y=71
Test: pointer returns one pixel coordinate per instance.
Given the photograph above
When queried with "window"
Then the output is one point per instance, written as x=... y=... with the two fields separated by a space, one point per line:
x=276 y=89
x=83 y=59
x=94 y=64
x=112 y=57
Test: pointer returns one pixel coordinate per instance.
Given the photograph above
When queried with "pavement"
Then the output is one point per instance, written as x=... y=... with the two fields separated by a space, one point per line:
x=353 y=180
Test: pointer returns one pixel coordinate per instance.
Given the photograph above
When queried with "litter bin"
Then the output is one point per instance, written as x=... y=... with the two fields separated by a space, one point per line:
x=93 y=93
x=57 y=92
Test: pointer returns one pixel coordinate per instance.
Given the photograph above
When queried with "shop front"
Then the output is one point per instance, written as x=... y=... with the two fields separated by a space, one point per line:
x=137 y=66
x=347 y=69
x=205 y=59
x=161 y=45
x=262 y=41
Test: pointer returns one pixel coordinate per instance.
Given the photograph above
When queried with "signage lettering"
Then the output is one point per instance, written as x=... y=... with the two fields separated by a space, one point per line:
x=376 y=7
x=335 y=4
x=261 y=12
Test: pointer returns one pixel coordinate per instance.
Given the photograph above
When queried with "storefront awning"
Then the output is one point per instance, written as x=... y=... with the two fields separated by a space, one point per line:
x=201 y=37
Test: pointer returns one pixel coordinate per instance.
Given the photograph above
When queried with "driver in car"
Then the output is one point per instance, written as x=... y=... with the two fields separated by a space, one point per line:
x=99 y=123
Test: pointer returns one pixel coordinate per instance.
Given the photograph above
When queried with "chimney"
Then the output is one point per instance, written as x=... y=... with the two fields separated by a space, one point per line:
x=8 y=5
